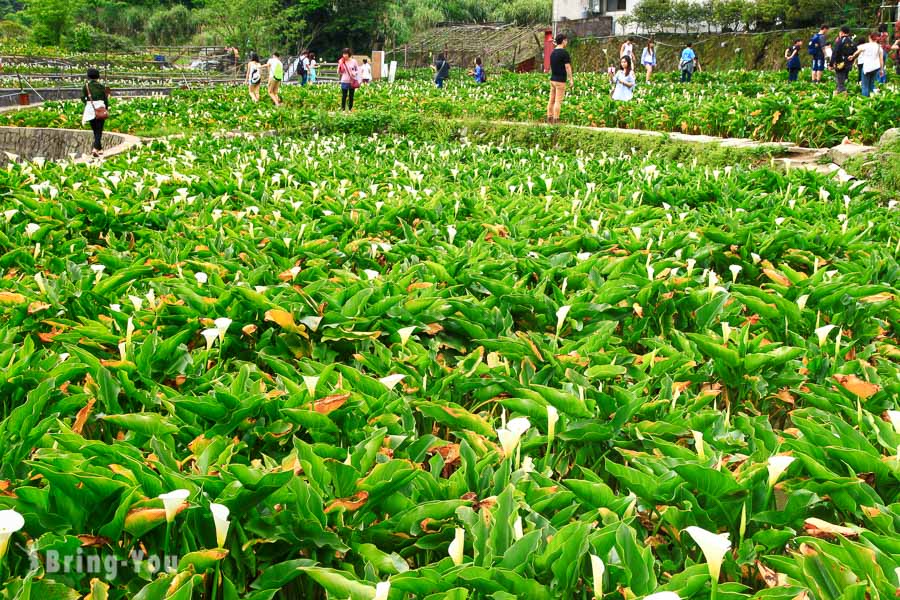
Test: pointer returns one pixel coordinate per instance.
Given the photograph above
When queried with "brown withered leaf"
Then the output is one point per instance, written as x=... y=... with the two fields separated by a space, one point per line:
x=857 y=386
x=777 y=277
x=37 y=306
x=354 y=502
x=82 y=416
x=770 y=576
x=330 y=403
x=823 y=529
x=93 y=541
x=433 y=329
x=419 y=285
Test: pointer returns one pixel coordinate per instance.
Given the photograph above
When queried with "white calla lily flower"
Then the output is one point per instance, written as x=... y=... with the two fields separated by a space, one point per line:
x=222 y=324
x=518 y=531
x=391 y=380
x=598 y=567
x=561 y=317
x=552 y=420
x=311 y=382
x=172 y=501
x=405 y=334
x=382 y=589
x=894 y=416
x=698 y=444
x=220 y=514
x=10 y=522
x=714 y=547
x=457 y=546
x=777 y=465
x=823 y=331
x=210 y=335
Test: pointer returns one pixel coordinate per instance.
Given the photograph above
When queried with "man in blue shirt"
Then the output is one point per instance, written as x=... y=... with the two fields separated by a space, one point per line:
x=688 y=63
x=817 y=51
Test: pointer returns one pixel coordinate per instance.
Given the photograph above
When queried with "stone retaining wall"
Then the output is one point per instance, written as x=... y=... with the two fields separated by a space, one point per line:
x=54 y=144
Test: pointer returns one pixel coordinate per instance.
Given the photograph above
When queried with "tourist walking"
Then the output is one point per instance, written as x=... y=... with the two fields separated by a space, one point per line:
x=477 y=71
x=871 y=61
x=441 y=69
x=624 y=81
x=365 y=71
x=816 y=50
x=688 y=63
x=96 y=108
x=792 y=55
x=276 y=75
x=303 y=67
x=348 y=71
x=560 y=77
x=627 y=49
x=842 y=59
x=313 y=68
x=648 y=59
x=254 y=76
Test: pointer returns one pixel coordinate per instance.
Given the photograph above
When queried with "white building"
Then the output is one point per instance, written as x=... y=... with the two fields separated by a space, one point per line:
x=582 y=9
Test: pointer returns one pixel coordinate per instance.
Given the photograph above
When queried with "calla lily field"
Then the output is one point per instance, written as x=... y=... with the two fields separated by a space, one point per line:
x=327 y=363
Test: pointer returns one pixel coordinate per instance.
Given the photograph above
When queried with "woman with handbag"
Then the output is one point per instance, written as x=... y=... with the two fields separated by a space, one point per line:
x=96 y=111
x=348 y=71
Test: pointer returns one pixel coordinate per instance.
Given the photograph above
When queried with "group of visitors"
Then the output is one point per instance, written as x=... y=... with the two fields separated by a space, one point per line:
x=351 y=75
x=275 y=72
x=869 y=56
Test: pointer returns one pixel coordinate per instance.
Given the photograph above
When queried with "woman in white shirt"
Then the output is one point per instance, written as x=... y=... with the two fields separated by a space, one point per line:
x=627 y=49
x=648 y=58
x=254 y=76
x=871 y=60
x=624 y=80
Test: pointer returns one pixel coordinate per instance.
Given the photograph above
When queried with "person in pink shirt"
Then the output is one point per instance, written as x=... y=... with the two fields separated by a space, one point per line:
x=348 y=71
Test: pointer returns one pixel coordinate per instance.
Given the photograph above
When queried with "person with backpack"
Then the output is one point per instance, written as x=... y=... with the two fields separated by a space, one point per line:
x=276 y=76
x=816 y=49
x=478 y=71
x=303 y=67
x=688 y=63
x=254 y=76
x=842 y=59
x=96 y=108
x=792 y=55
x=441 y=70
x=348 y=71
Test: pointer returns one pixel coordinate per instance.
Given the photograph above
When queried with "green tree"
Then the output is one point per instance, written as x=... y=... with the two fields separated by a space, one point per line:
x=50 y=19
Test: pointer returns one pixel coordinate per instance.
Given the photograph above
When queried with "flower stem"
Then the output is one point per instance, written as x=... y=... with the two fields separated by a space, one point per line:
x=166 y=541
x=215 y=586
x=715 y=589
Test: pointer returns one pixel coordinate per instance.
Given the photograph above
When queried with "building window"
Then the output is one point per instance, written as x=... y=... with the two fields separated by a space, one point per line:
x=616 y=5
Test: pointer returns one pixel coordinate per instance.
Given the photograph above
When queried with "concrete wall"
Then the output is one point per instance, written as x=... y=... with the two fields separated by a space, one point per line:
x=52 y=144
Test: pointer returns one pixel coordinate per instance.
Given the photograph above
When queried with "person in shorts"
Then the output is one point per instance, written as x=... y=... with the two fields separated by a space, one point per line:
x=254 y=76
x=365 y=71
x=276 y=76
x=816 y=50
x=648 y=58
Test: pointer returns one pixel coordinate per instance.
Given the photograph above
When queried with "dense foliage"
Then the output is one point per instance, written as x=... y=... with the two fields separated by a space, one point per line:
x=762 y=106
x=339 y=337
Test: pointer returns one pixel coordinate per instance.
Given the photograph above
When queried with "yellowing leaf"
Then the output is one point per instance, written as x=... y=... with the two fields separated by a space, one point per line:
x=11 y=298
x=854 y=384
x=281 y=317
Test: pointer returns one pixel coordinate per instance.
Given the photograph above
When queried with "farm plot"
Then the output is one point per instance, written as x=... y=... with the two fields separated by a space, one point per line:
x=472 y=371
x=752 y=105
